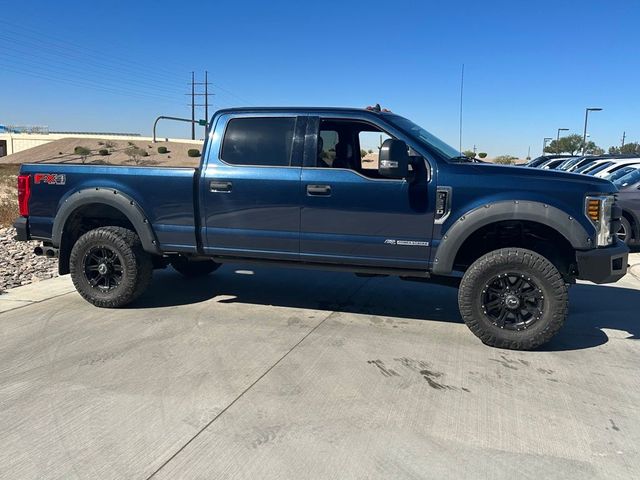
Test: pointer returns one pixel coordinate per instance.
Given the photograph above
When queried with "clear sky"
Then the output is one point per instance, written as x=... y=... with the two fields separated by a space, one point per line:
x=530 y=67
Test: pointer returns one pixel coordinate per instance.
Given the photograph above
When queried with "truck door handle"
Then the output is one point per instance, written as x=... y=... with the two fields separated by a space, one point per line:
x=319 y=190
x=215 y=186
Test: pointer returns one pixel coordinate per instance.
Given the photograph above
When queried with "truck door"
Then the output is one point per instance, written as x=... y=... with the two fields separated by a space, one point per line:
x=350 y=214
x=250 y=188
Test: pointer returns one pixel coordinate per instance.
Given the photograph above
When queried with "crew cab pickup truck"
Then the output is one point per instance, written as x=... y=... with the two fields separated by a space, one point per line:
x=304 y=187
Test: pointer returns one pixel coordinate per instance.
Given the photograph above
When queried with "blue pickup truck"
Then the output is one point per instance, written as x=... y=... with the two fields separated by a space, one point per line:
x=359 y=190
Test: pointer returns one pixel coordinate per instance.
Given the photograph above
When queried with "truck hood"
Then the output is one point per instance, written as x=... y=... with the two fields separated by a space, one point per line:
x=546 y=179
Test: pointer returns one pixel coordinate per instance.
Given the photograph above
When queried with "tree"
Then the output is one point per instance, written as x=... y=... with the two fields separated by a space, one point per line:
x=82 y=152
x=632 y=148
x=569 y=144
x=614 y=150
x=482 y=155
x=505 y=159
x=591 y=148
x=469 y=154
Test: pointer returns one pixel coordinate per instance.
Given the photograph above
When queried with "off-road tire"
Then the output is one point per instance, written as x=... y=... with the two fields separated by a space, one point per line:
x=539 y=270
x=194 y=268
x=136 y=266
x=624 y=223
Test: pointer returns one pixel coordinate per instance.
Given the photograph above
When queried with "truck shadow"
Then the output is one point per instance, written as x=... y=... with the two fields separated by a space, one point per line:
x=592 y=308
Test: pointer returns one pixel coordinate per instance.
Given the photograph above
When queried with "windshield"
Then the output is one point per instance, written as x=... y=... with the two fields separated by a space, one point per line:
x=567 y=164
x=599 y=168
x=420 y=134
x=586 y=166
x=628 y=179
x=619 y=173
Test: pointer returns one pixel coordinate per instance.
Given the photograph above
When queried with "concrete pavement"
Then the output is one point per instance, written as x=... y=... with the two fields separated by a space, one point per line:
x=266 y=373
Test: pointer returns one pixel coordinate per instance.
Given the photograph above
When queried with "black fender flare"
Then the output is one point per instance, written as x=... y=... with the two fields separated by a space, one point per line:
x=113 y=198
x=479 y=217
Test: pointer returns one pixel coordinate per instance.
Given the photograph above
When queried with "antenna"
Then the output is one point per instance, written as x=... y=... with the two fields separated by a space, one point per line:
x=461 y=92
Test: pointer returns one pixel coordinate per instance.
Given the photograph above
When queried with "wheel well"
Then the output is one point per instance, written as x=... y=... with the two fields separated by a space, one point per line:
x=85 y=218
x=531 y=235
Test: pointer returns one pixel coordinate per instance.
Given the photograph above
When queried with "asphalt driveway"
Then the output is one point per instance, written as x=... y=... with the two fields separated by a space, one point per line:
x=265 y=373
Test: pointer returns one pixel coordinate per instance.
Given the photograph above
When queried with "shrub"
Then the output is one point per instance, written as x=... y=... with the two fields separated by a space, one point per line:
x=193 y=152
x=109 y=144
x=162 y=150
x=363 y=153
x=504 y=159
x=131 y=144
x=103 y=152
x=482 y=155
x=469 y=154
x=134 y=153
x=100 y=143
x=82 y=152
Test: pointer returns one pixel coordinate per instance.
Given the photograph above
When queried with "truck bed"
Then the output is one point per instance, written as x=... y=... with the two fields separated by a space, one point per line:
x=166 y=195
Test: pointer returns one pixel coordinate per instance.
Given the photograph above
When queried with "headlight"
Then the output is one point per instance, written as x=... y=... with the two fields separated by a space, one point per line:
x=598 y=210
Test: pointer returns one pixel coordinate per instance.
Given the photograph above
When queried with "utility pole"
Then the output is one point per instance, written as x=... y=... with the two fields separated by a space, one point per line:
x=206 y=95
x=461 y=92
x=624 y=135
x=193 y=104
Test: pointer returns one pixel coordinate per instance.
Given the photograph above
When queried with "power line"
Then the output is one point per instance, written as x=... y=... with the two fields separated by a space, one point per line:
x=63 y=47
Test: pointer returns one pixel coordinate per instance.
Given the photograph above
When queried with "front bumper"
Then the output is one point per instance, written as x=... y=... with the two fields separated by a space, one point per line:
x=22 y=229
x=603 y=265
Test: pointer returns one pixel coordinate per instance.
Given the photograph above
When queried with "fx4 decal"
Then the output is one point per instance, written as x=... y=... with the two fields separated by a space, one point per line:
x=50 y=178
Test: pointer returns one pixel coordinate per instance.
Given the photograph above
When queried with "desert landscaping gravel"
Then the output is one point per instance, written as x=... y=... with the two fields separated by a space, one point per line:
x=18 y=265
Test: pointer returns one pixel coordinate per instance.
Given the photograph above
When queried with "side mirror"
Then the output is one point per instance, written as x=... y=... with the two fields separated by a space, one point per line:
x=394 y=159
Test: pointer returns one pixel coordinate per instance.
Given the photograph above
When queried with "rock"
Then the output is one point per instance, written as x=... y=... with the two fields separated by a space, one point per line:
x=18 y=264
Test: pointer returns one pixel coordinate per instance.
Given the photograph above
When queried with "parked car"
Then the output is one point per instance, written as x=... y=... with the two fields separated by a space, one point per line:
x=588 y=167
x=551 y=164
x=617 y=165
x=622 y=172
x=629 y=200
x=287 y=186
x=568 y=163
x=539 y=160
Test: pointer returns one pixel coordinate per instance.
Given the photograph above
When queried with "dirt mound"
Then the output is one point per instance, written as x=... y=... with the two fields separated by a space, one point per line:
x=114 y=152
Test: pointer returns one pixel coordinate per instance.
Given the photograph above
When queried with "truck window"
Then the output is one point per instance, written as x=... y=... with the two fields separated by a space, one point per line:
x=259 y=141
x=349 y=144
x=370 y=143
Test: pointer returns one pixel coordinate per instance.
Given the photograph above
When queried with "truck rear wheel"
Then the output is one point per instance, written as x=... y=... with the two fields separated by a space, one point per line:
x=513 y=298
x=194 y=268
x=109 y=267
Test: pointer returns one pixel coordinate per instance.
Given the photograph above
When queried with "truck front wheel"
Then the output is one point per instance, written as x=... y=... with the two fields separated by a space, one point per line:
x=513 y=298
x=109 y=268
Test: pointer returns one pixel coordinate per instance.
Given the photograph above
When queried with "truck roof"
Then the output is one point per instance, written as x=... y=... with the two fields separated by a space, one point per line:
x=303 y=109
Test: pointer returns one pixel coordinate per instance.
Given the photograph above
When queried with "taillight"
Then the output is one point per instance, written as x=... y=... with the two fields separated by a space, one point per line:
x=24 y=193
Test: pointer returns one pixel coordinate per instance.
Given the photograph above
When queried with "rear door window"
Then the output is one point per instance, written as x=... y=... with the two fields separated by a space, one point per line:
x=260 y=141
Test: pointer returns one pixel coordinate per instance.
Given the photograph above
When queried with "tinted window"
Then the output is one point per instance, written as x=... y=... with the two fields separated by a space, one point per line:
x=258 y=141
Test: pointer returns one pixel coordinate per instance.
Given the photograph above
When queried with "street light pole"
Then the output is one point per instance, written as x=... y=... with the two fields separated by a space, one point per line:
x=544 y=143
x=586 y=119
x=561 y=130
x=558 y=137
